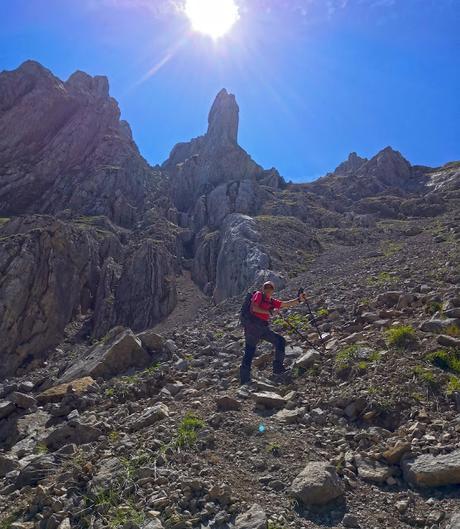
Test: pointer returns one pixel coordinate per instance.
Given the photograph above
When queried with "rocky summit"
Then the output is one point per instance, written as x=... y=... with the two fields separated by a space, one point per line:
x=120 y=342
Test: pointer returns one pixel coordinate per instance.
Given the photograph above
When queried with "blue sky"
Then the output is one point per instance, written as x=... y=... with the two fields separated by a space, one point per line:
x=314 y=79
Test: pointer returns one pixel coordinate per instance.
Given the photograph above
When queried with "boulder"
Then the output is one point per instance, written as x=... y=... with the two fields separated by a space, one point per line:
x=433 y=471
x=227 y=403
x=438 y=326
x=57 y=393
x=269 y=399
x=394 y=454
x=74 y=432
x=448 y=341
x=307 y=360
x=389 y=299
x=37 y=470
x=119 y=352
x=148 y=417
x=317 y=484
x=7 y=464
x=6 y=408
x=22 y=400
x=254 y=518
x=151 y=341
x=372 y=471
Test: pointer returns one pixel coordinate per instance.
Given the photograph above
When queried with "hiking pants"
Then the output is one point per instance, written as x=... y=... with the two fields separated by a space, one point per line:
x=254 y=332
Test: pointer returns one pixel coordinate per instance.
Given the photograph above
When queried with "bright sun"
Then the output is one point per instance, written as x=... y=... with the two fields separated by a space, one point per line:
x=212 y=17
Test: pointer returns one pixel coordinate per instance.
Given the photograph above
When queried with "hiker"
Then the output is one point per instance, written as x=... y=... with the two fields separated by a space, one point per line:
x=256 y=328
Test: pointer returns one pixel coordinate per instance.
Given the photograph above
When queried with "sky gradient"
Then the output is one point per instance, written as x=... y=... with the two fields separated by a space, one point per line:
x=314 y=79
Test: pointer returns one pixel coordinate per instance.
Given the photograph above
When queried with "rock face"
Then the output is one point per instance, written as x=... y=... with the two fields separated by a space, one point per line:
x=63 y=147
x=53 y=270
x=213 y=180
x=431 y=471
x=317 y=484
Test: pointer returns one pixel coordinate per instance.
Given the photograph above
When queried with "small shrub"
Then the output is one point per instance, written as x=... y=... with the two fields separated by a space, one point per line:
x=425 y=375
x=345 y=358
x=322 y=312
x=401 y=337
x=433 y=307
x=109 y=392
x=187 y=432
x=453 y=386
x=41 y=448
x=362 y=365
x=453 y=330
x=447 y=360
x=114 y=436
x=274 y=449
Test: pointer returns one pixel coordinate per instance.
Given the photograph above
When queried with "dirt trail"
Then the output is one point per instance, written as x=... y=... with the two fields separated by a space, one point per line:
x=190 y=300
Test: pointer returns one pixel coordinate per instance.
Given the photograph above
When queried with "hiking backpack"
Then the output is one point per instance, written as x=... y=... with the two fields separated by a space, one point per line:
x=245 y=311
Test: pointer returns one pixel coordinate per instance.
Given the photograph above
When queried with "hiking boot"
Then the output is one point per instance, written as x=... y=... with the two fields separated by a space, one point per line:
x=283 y=375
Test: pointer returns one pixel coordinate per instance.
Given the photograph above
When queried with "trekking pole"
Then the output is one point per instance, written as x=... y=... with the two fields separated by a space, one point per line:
x=301 y=291
x=299 y=333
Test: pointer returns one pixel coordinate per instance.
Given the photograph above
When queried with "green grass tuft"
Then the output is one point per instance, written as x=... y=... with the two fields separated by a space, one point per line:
x=187 y=434
x=401 y=337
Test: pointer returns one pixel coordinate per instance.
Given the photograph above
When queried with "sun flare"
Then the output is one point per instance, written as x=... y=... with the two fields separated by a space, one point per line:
x=212 y=17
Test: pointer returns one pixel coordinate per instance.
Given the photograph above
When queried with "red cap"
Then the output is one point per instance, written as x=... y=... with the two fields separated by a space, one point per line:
x=269 y=284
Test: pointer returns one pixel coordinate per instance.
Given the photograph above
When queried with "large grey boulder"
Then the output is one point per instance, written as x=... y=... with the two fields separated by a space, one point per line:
x=72 y=432
x=317 y=484
x=433 y=471
x=148 y=417
x=119 y=352
x=254 y=518
x=37 y=470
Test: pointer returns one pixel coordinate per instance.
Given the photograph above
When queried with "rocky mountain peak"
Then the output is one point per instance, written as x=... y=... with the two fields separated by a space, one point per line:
x=82 y=82
x=350 y=165
x=389 y=166
x=223 y=119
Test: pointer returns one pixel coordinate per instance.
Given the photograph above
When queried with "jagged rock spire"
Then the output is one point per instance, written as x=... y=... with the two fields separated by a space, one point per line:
x=223 y=119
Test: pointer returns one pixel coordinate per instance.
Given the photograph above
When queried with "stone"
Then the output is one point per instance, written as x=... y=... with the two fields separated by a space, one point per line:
x=254 y=518
x=394 y=454
x=307 y=360
x=38 y=469
x=269 y=399
x=120 y=351
x=153 y=524
x=448 y=341
x=7 y=464
x=72 y=432
x=438 y=325
x=148 y=417
x=22 y=400
x=56 y=393
x=349 y=520
x=433 y=471
x=289 y=416
x=372 y=471
x=227 y=403
x=454 y=521
x=389 y=299
x=6 y=408
x=151 y=341
x=317 y=484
